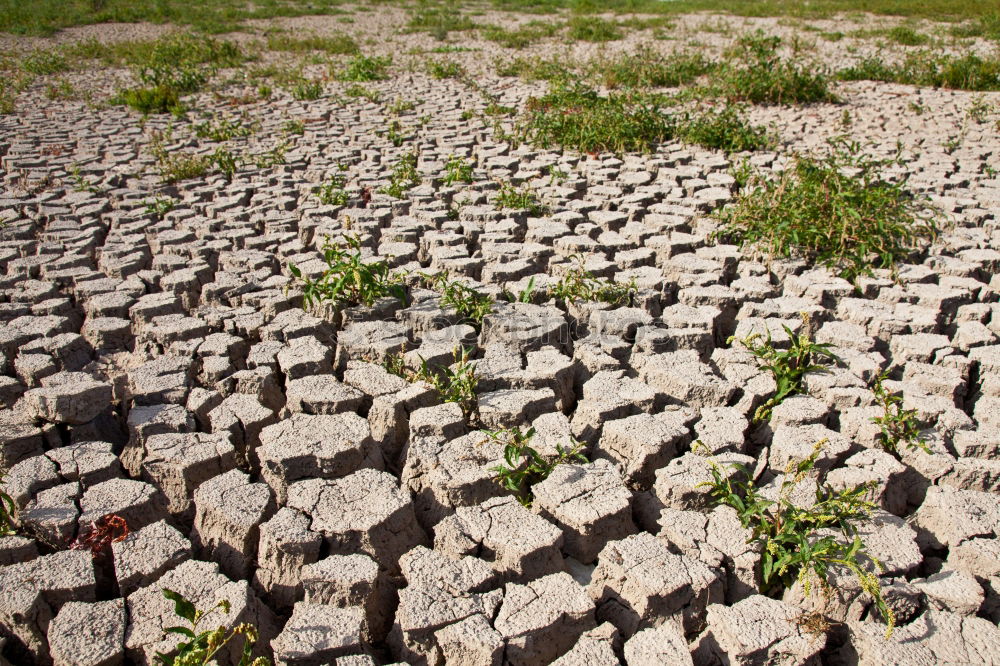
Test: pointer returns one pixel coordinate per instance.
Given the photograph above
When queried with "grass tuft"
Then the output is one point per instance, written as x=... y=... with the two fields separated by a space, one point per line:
x=756 y=73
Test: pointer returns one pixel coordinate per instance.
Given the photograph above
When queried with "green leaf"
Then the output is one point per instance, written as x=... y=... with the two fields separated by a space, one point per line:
x=182 y=607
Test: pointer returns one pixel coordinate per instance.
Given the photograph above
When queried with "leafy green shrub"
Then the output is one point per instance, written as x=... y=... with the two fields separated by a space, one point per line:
x=523 y=466
x=455 y=383
x=438 y=22
x=968 y=72
x=471 y=304
x=457 y=170
x=445 y=69
x=332 y=192
x=358 y=90
x=158 y=99
x=592 y=29
x=517 y=198
x=44 y=61
x=159 y=206
x=366 y=68
x=307 y=90
x=520 y=37
x=725 y=129
x=222 y=129
x=755 y=72
x=896 y=425
x=907 y=36
x=572 y=115
x=789 y=366
x=404 y=176
x=649 y=68
x=535 y=68
x=339 y=44
x=837 y=211
x=349 y=278
x=791 y=548
x=579 y=284
x=201 y=647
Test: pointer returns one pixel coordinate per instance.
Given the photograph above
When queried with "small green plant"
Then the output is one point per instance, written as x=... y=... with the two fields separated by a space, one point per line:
x=907 y=36
x=756 y=73
x=445 y=69
x=572 y=115
x=536 y=68
x=201 y=647
x=222 y=129
x=349 y=279
x=358 y=90
x=470 y=304
x=791 y=548
x=439 y=21
x=366 y=68
x=520 y=37
x=339 y=44
x=967 y=72
x=61 y=89
x=400 y=106
x=404 y=176
x=518 y=198
x=307 y=90
x=592 y=29
x=837 y=211
x=44 y=61
x=649 y=68
x=295 y=126
x=455 y=383
x=159 y=206
x=81 y=184
x=788 y=366
x=726 y=129
x=580 y=285
x=457 y=170
x=897 y=426
x=332 y=192
x=523 y=466
x=157 y=99
x=225 y=161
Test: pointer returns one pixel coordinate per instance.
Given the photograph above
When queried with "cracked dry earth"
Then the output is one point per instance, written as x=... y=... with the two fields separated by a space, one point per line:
x=165 y=371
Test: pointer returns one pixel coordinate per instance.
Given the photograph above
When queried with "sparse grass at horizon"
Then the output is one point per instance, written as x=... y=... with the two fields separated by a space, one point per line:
x=968 y=72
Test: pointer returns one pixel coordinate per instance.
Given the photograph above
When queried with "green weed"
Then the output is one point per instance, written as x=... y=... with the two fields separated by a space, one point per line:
x=520 y=37
x=404 y=176
x=159 y=206
x=907 y=36
x=44 y=61
x=523 y=466
x=445 y=69
x=510 y=196
x=366 y=68
x=339 y=44
x=201 y=647
x=457 y=170
x=791 y=548
x=400 y=106
x=471 y=305
x=574 y=116
x=592 y=29
x=580 y=285
x=294 y=126
x=438 y=22
x=222 y=129
x=968 y=72
x=789 y=366
x=646 y=68
x=725 y=129
x=359 y=91
x=536 y=68
x=837 y=211
x=349 y=278
x=756 y=73
x=897 y=426
x=307 y=90
x=332 y=192
x=456 y=383
x=158 y=99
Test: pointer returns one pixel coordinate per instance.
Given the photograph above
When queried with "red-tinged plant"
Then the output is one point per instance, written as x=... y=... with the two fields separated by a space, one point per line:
x=103 y=532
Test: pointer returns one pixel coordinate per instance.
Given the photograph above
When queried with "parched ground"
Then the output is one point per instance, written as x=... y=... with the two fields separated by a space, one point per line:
x=159 y=366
